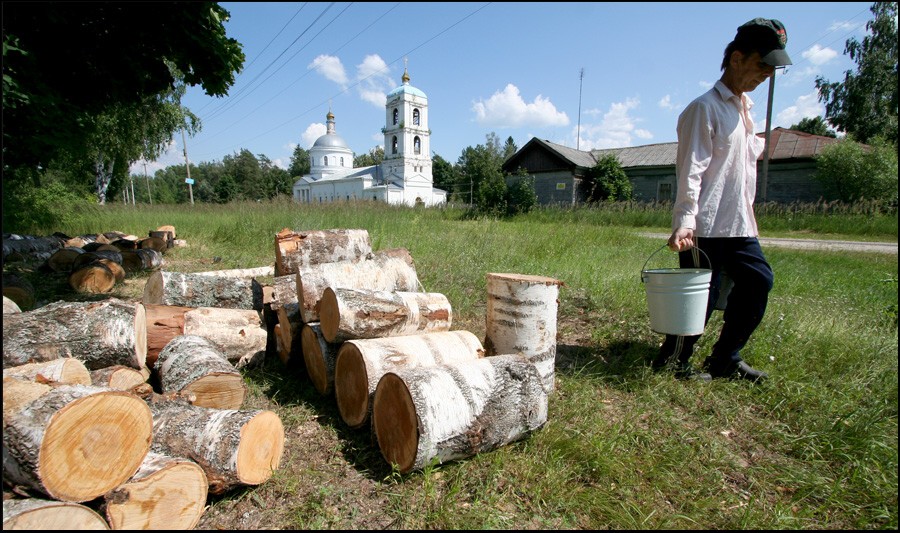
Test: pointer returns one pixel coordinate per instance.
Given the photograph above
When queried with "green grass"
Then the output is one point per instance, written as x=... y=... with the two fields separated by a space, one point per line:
x=815 y=447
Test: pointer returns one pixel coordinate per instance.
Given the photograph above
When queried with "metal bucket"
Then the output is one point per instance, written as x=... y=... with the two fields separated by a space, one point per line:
x=676 y=298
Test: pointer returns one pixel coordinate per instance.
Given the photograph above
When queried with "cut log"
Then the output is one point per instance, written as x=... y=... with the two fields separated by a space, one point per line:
x=19 y=290
x=18 y=393
x=234 y=447
x=118 y=377
x=153 y=243
x=366 y=314
x=319 y=357
x=93 y=278
x=297 y=249
x=114 y=256
x=77 y=442
x=115 y=268
x=125 y=245
x=141 y=260
x=388 y=270
x=164 y=323
x=191 y=290
x=168 y=228
x=257 y=272
x=238 y=333
x=63 y=259
x=101 y=334
x=166 y=493
x=167 y=237
x=19 y=247
x=67 y=370
x=362 y=362
x=456 y=410
x=521 y=318
x=286 y=309
x=10 y=306
x=190 y=363
x=32 y=514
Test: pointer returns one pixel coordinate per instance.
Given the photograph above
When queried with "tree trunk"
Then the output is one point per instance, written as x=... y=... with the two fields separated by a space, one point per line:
x=295 y=250
x=93 y=278
x=31 y=514
x=77 y=442
x=68 y=370
x=10 y=306
x=166 y=493
x=319 y=356
x=191 y=290
x=164 y=323
x=456 y=410
x=19 y=290
x=366 y=314
x=521 y=318
x=362 y=362
x=190 y=363
x=257 y=272
x=100 y=334
x=386 y=271
x=238 y=333
x=63 y=259
x=119 y=377
x=234 y=447
x=141 y=260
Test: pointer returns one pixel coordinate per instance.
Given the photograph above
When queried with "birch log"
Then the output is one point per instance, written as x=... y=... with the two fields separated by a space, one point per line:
x=63 y=259
x=238 y=333
x=93 y=278
x=190 y=363
x=192 y=290
x=297 y=249
x=141 y=260
x=101 y=334
x=19 y=290
x=234 y=447
x=30 y=514
x=346 y=314
x=256 y=272
x=89 y=257
x=387 y=270
x=164 y=323
x=10 y=306
x=456 y=410
x=166 y=493
x=77 y=442
x=319 y=356
x=362 y=362
x=521 y=318
x=119 y=377
x=65 y=370
x=18 y=392
x=287 y=311
x=18 y=247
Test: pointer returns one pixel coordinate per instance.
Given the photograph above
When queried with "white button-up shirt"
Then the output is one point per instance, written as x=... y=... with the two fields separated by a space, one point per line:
x=716 y=166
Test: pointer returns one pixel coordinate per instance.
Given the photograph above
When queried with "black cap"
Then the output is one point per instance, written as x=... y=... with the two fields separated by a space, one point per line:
x=766 y=36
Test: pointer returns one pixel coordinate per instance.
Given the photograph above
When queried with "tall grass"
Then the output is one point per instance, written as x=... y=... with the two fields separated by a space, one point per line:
x=815 y=447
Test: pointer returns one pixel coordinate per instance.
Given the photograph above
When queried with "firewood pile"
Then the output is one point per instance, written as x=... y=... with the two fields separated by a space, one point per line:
x=127 y=415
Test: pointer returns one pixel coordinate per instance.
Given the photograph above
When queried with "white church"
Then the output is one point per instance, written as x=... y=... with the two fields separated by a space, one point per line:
x=404 y=177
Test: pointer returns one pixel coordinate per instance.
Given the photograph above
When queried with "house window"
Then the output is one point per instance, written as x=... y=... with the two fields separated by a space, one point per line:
x=415 y=117
x=396 y=117
x=394 y=145
x=417 y=145
x=664 y=192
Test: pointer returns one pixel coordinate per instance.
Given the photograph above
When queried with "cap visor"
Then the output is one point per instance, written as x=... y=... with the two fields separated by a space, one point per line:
x=777 y=58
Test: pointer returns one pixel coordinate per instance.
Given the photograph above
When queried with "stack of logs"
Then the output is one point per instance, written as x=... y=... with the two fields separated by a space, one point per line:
x=102 y=432
x=383 y=347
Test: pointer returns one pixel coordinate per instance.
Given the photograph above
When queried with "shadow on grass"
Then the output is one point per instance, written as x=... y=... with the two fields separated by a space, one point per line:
x=618 y=362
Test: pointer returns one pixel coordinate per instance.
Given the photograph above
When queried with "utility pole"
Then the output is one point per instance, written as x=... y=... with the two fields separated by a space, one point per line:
x=763 y=183
x=133 y=202
x=146 y=177
x=580 y=84
x=187 y=163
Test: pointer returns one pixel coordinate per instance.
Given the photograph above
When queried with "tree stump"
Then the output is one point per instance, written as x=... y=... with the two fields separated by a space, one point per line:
x=234 y=447
x=77 y=442
x=390 y=270
x=346 y=314
x=100 y=334
x=191 y=290
x=362 y=362
x=190 y=363
x=456 y=410
x=319 y=356
x=32 y=514
x=166 y=493
x=66 y=370
x=521 y=318
x=296 y=249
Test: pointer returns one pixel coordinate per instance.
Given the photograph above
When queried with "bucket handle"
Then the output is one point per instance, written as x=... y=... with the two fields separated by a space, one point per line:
x=696 y=259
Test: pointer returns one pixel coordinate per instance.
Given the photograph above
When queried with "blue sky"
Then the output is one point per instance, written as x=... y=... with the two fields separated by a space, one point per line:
x=512 y=68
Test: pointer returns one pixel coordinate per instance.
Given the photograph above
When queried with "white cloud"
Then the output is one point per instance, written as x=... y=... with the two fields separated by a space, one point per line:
x=331 y=68
x=507 y=109
x=818 y=55
x=280 y=163
x=171 y=155
x=806 y=106
x=313 y=132
x=617 y=129
x=666 y=103
x=374 y=80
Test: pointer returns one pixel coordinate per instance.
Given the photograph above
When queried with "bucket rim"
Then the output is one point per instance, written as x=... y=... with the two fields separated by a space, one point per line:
x=677 y=271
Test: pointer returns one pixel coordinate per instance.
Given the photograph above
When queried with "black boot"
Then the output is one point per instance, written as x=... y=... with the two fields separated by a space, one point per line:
x=734 y=370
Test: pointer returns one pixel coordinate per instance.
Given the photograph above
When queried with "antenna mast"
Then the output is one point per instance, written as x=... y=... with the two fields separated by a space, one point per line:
x=580 y=83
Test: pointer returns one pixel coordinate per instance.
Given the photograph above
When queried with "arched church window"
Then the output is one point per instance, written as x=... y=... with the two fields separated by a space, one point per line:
x=417 y=145
x=394 y=145
x=325 y=160
x=342 y=161
x=396 y=117
x=416 y=117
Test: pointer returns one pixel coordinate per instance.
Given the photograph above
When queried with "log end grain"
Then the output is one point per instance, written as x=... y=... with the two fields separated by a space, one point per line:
x=314 y=360
x=329 y=314
x=38 y=514
x=262 y=445
x=18 y=392
x=140 y=335
x=171 y=499
x=153 y=289
x=93 y=278
x=395 y=421
x=351 y=385
x=219 y=391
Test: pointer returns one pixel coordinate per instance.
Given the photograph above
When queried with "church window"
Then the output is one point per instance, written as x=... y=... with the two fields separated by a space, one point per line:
x=417 y=145
x=416 y=117
x=342 y=161
x=394 y=145
x=325 y=159
x=396 y=117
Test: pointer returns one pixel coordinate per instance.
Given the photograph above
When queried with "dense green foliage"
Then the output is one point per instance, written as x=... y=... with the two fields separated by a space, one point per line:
x=850 y=171
x=606 y=181
x=814 y=126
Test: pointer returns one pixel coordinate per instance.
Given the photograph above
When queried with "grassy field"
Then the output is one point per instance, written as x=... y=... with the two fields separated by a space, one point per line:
x=815 y=447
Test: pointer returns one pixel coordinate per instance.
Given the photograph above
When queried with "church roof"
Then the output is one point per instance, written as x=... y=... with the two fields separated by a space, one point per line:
x=330 y=140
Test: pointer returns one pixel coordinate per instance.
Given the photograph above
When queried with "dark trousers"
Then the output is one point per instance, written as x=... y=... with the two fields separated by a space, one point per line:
x=743 y=260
